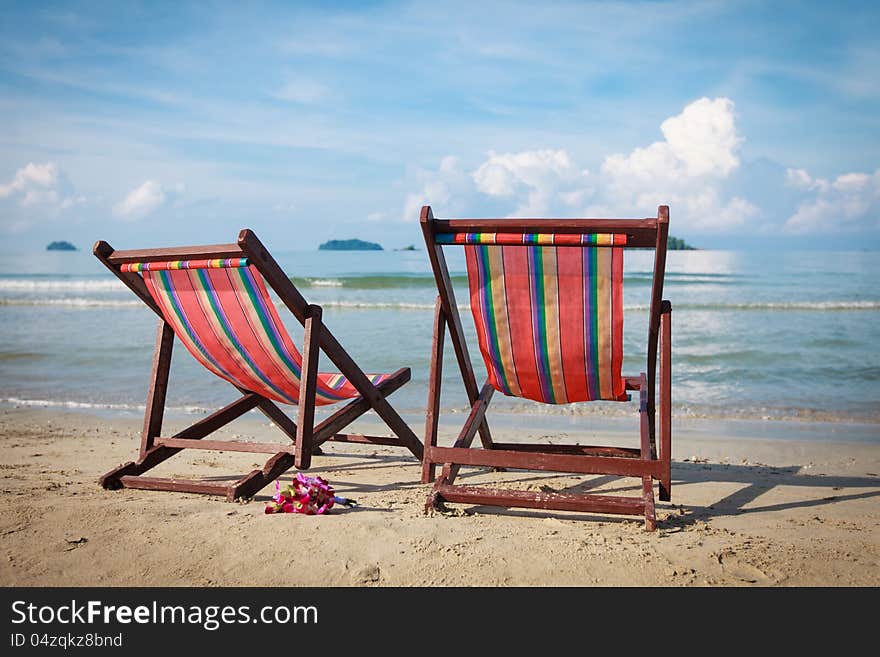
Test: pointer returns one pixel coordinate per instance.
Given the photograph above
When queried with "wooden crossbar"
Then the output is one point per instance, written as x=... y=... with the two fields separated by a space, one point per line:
x=225 y=445
x=583 y=450
x=270 y=448
x=207 y=252
x=542 y=500
x=172 y=484
x=369 y=440
x=583 y=464
x=640 y=233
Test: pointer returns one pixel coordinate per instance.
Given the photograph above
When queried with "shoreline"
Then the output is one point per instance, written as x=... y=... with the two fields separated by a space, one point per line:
x=833 y=428
x=746 y=511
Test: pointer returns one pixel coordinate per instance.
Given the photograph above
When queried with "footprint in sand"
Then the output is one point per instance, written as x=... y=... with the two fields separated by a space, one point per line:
x=732 y=566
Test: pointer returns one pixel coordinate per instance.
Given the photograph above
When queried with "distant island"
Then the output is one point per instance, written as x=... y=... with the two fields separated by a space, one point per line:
x=61 y=246
x=678 y=244
x=407 y=248
x=349 y=245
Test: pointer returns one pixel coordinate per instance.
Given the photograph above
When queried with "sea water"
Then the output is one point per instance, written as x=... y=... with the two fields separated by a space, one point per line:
x=756 y=335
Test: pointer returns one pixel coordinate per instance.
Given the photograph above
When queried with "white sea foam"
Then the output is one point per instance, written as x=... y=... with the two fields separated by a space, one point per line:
x=324 y=282
x=681 y=412
x=830 y=305
x=75 y=302
x=596 y=410
x=57 y=403
x=383 y=305
x=105 y=406
x=61 y=284
x=819 y=306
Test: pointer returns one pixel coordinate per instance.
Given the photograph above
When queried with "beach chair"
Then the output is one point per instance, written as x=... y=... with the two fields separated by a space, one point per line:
x=547 y=300
x=215 y=300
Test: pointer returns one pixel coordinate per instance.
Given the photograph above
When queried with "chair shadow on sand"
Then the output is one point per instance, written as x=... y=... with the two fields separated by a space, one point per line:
x=362 y=462
x=756 y=480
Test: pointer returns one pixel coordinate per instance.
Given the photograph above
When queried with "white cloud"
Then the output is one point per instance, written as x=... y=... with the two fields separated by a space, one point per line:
x=850 y=202
x=685 y=170
x=713 y=211
x=704 y=138
x=41 y=190
x=800 y=179
x=145 y=200
x=31 y=178
x=533 y=168
x=852 y=182
x=701 y=142
x=692 y=170
x=39 y=197
x=448 y=188
x=654 y=165
x=547 y=179
x=72 y=202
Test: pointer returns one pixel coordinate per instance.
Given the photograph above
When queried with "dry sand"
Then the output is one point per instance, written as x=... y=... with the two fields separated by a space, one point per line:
x=745 y=512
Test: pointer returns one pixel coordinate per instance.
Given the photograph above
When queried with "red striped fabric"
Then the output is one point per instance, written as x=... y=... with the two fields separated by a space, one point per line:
x=549 y=320
x=225 y=318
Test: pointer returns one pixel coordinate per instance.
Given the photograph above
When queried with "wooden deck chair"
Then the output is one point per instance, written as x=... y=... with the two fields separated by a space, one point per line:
x=215 y=300
x=547 y=301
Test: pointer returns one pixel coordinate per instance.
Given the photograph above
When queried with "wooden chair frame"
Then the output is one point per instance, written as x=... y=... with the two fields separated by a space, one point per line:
x=306 y=437
x=644 y=462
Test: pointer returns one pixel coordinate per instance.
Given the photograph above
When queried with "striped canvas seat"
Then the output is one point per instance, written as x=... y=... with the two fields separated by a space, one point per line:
x=549 y=319
x=222 y=313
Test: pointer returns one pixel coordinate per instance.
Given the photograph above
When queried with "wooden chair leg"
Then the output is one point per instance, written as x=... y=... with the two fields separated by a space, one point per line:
x=433 y=501
x=665 y=492
x=155 y=409
x=112 y=480
x=434 y=382
x=308 y=384
x=155 y=406
x=256 y=480
x=666 y=400
x=469 y=430
x=648 y=496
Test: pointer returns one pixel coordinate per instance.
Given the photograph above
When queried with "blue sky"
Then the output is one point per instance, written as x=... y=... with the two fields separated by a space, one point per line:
x=150 y=123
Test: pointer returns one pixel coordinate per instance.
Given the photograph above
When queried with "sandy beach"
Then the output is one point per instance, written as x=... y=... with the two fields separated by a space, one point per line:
x=799 y=508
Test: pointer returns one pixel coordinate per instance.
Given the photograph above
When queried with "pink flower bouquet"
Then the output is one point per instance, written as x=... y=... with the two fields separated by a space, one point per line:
x=308 y=495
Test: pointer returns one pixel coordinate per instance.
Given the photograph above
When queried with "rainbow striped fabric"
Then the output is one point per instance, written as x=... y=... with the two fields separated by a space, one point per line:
x=219 y=263
x=549 y=320
x=223 y=315
x=549 y=239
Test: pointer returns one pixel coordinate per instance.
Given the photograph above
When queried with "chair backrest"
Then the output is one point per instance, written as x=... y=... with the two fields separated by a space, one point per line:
x=547 y=300
x=220 y=309
x=549 y=320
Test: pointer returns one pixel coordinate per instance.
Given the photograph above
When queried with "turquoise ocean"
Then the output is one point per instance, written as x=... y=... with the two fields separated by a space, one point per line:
x=756 y=335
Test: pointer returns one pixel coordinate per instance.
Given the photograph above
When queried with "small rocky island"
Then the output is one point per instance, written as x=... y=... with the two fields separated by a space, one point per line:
x=61 y=246
x=349 y=245
x=678 y=244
